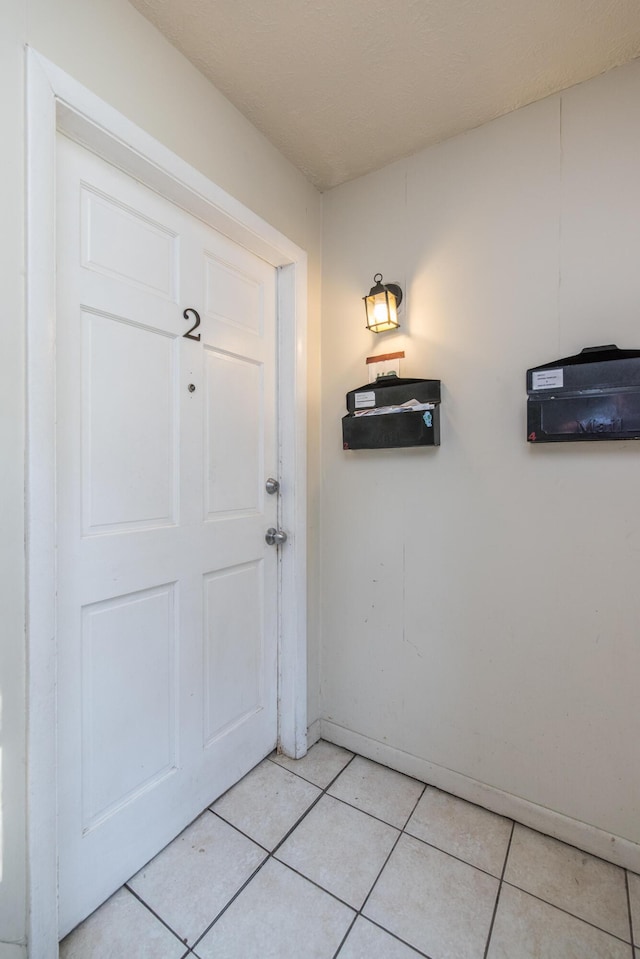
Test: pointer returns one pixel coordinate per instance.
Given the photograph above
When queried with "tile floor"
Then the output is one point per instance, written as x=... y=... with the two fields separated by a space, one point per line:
x=336 y=856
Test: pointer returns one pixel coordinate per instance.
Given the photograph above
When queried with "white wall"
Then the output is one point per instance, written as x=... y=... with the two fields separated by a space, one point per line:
x=480 y=601
x=111 y=49
x=12 y=652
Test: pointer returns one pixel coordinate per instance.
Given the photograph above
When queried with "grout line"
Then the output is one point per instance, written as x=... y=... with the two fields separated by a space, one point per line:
x=393 y=935
x=345 y=937
x=493 y=920
x=270 y=854
x=384 y=822
x=631 y=926
x=297 y=823
x=451 y=855
x=400 y=834
x=300 y=776
x=415 y=805
x=425 y=786
x=158 y=917
x=312 y=806
x=380 y=871
x=326 y=789
x=375 y=881
x=359 y=912
x=238 y=830
x=314 y=882
x=495 y=907
x=230 y=902
x=554 y=905
x=337 y=775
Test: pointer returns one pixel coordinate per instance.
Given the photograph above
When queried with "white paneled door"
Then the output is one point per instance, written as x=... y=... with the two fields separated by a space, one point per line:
x=166 y=590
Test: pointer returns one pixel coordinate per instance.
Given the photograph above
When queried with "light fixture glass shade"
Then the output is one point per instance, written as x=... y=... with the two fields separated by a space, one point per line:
x=381 y=306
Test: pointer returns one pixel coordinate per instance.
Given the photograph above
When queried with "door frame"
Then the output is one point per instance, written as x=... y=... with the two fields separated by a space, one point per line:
x=57 y=102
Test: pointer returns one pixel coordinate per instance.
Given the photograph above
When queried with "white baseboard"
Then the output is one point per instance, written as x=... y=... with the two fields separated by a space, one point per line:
x=596 y=841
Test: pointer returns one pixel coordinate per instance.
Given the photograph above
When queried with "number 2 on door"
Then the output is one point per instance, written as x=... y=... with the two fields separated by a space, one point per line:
x=190 y=335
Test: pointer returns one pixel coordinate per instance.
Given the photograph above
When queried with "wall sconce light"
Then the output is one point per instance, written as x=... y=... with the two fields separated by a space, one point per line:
x=381 y=305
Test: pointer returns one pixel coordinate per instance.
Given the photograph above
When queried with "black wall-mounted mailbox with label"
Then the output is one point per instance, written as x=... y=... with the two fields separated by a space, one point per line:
x=392 y=430
x=594 y=395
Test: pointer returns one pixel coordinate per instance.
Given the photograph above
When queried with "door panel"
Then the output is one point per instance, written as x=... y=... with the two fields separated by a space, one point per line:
x=167 y=593
x=234 y=388
x=129 y=425
x=146 y=254
x=233 y=646
x=128 y=658
x=241 y=302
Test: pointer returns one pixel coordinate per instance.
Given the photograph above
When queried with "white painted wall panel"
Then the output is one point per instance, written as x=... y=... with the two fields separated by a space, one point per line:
x=482 y=613
x=600 y=280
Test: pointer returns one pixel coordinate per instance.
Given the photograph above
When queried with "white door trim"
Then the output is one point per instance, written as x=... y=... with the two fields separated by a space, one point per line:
x=56 y=101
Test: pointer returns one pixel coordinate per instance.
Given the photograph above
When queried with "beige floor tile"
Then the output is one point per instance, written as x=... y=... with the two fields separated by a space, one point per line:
x=588 y=888
x=340 y=848
x=462 y=829
x=439 y=905
x=377 y=790
x=191 y=880
x=526 y=928
x=279 y=915
x=322 y=763
x=122 y=927
x=366 y=941
x=267 y=803
x=634 y=898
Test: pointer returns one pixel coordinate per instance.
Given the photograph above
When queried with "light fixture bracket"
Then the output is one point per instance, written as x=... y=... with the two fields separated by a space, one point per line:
x=396 y=290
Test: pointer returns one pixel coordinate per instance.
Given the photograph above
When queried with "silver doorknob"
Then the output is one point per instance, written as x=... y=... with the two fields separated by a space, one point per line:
x=275 y=537
x=272 y=485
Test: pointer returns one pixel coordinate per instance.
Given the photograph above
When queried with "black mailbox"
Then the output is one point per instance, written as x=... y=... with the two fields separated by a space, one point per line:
x=594 y=395
x=394 y=430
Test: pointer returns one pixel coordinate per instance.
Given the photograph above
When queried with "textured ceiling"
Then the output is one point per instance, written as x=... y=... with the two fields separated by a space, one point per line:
x=343 y=87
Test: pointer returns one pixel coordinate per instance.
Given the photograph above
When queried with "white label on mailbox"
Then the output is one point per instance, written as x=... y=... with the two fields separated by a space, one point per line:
x=547 y=379
x=365 y=399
